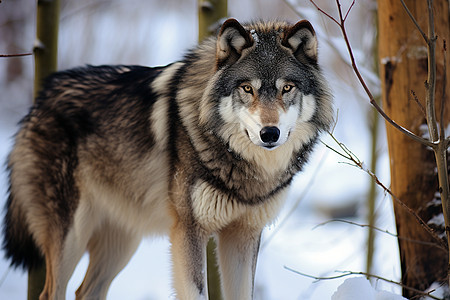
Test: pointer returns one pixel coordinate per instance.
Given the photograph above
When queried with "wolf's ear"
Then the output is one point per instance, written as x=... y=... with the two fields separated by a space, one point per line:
x=232 y=39
x=301 y=39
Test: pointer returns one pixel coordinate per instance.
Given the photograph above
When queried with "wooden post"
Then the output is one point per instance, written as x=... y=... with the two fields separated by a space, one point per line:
x=403 y=72
x=45 y=63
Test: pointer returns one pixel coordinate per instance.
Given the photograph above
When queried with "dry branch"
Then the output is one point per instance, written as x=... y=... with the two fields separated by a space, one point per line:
x=438 y=141
x=341 y=25
x=15 y=55
x=356 y=162
x=383 y=231
x=348 y=273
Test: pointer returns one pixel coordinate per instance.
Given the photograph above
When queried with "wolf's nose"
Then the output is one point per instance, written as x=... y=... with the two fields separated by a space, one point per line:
x=269 y=134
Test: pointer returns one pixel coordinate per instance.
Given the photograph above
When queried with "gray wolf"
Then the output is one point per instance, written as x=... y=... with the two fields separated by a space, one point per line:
x=203 y=147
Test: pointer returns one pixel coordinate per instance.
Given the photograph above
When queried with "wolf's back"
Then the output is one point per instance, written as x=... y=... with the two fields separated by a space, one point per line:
x=43 y=193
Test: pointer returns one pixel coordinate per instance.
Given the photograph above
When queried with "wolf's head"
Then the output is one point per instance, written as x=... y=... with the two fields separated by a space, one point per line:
x=267 y=83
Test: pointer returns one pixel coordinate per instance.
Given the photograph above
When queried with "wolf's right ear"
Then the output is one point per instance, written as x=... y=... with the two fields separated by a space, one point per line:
x=301 y=39
x=232 y=39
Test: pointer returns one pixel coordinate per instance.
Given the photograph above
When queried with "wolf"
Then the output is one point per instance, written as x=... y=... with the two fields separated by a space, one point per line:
x=204 y=147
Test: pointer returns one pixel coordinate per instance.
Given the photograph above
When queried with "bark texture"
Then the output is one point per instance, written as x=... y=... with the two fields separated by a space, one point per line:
x=403 y=73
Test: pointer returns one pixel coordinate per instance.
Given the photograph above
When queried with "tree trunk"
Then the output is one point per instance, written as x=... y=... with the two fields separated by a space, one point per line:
x=45 y=63
x=210 y=12
x=46 y=45
x=403 y=72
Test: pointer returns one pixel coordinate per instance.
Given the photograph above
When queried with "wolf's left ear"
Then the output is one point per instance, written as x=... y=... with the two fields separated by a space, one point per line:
x=232 y=39
x=301 y=39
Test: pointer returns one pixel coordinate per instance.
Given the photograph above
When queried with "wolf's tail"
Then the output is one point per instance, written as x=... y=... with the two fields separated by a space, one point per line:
x=18 y=243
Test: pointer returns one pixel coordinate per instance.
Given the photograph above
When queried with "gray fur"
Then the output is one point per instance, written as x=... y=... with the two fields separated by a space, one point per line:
x=110 y=154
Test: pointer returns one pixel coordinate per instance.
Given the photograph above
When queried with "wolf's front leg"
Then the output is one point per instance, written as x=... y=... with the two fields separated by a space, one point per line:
x=238 y=251
x=189 y=261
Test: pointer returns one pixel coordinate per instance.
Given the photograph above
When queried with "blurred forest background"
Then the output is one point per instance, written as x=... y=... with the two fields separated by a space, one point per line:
x=158 y=32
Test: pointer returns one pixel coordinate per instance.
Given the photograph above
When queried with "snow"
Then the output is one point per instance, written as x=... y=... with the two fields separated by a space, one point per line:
x=436 y=201
x=439 y=290
x=437 y=220
x=358 y=288
x=110 y=34
x=254 y=36
x=391 y=59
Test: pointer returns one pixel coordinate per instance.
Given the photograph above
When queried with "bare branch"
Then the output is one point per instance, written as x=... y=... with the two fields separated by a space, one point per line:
x=357 y=163
x=415 y=22
x=348 y=11
x=341 y=25
x=335 y=121
x=324 y=40
x=431 y=80
x=413 y=94
x=437 y=137
x=348 y=273
x=325 y=13
x=356 y=224
x=383 y=231
x=15 y=55
x=296 y=204
x=444 y=86
x=437 y=141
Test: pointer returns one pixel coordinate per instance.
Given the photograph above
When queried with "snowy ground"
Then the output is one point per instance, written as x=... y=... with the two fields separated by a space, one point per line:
x=326 y=185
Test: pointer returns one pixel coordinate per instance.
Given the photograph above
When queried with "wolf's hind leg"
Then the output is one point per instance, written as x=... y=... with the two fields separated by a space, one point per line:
x=237 y=251
x=61 y=258
x=110 y=248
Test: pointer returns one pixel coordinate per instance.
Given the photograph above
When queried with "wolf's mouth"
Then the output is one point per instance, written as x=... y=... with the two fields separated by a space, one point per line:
x=269 y=146
x=248 y=134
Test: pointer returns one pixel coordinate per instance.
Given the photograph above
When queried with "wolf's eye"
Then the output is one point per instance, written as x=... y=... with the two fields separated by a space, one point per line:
x=247 y=89
x=287 y=88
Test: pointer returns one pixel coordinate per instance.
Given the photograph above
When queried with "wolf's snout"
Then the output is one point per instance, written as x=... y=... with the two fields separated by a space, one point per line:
x=269 y=134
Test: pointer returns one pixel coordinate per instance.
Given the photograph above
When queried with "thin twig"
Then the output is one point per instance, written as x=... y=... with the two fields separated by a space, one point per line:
x=383 y=231
x=348 y=11
x=341 y=25
x=356 y=224
x=357 y=163
x=325 y=13
x=421 y=140
x=15 y=55
x=348 y=273
x=4 y=276
x=416 y=99
x=324 y=39
x=296 y=204
x=425 y=37
x=438 y=142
